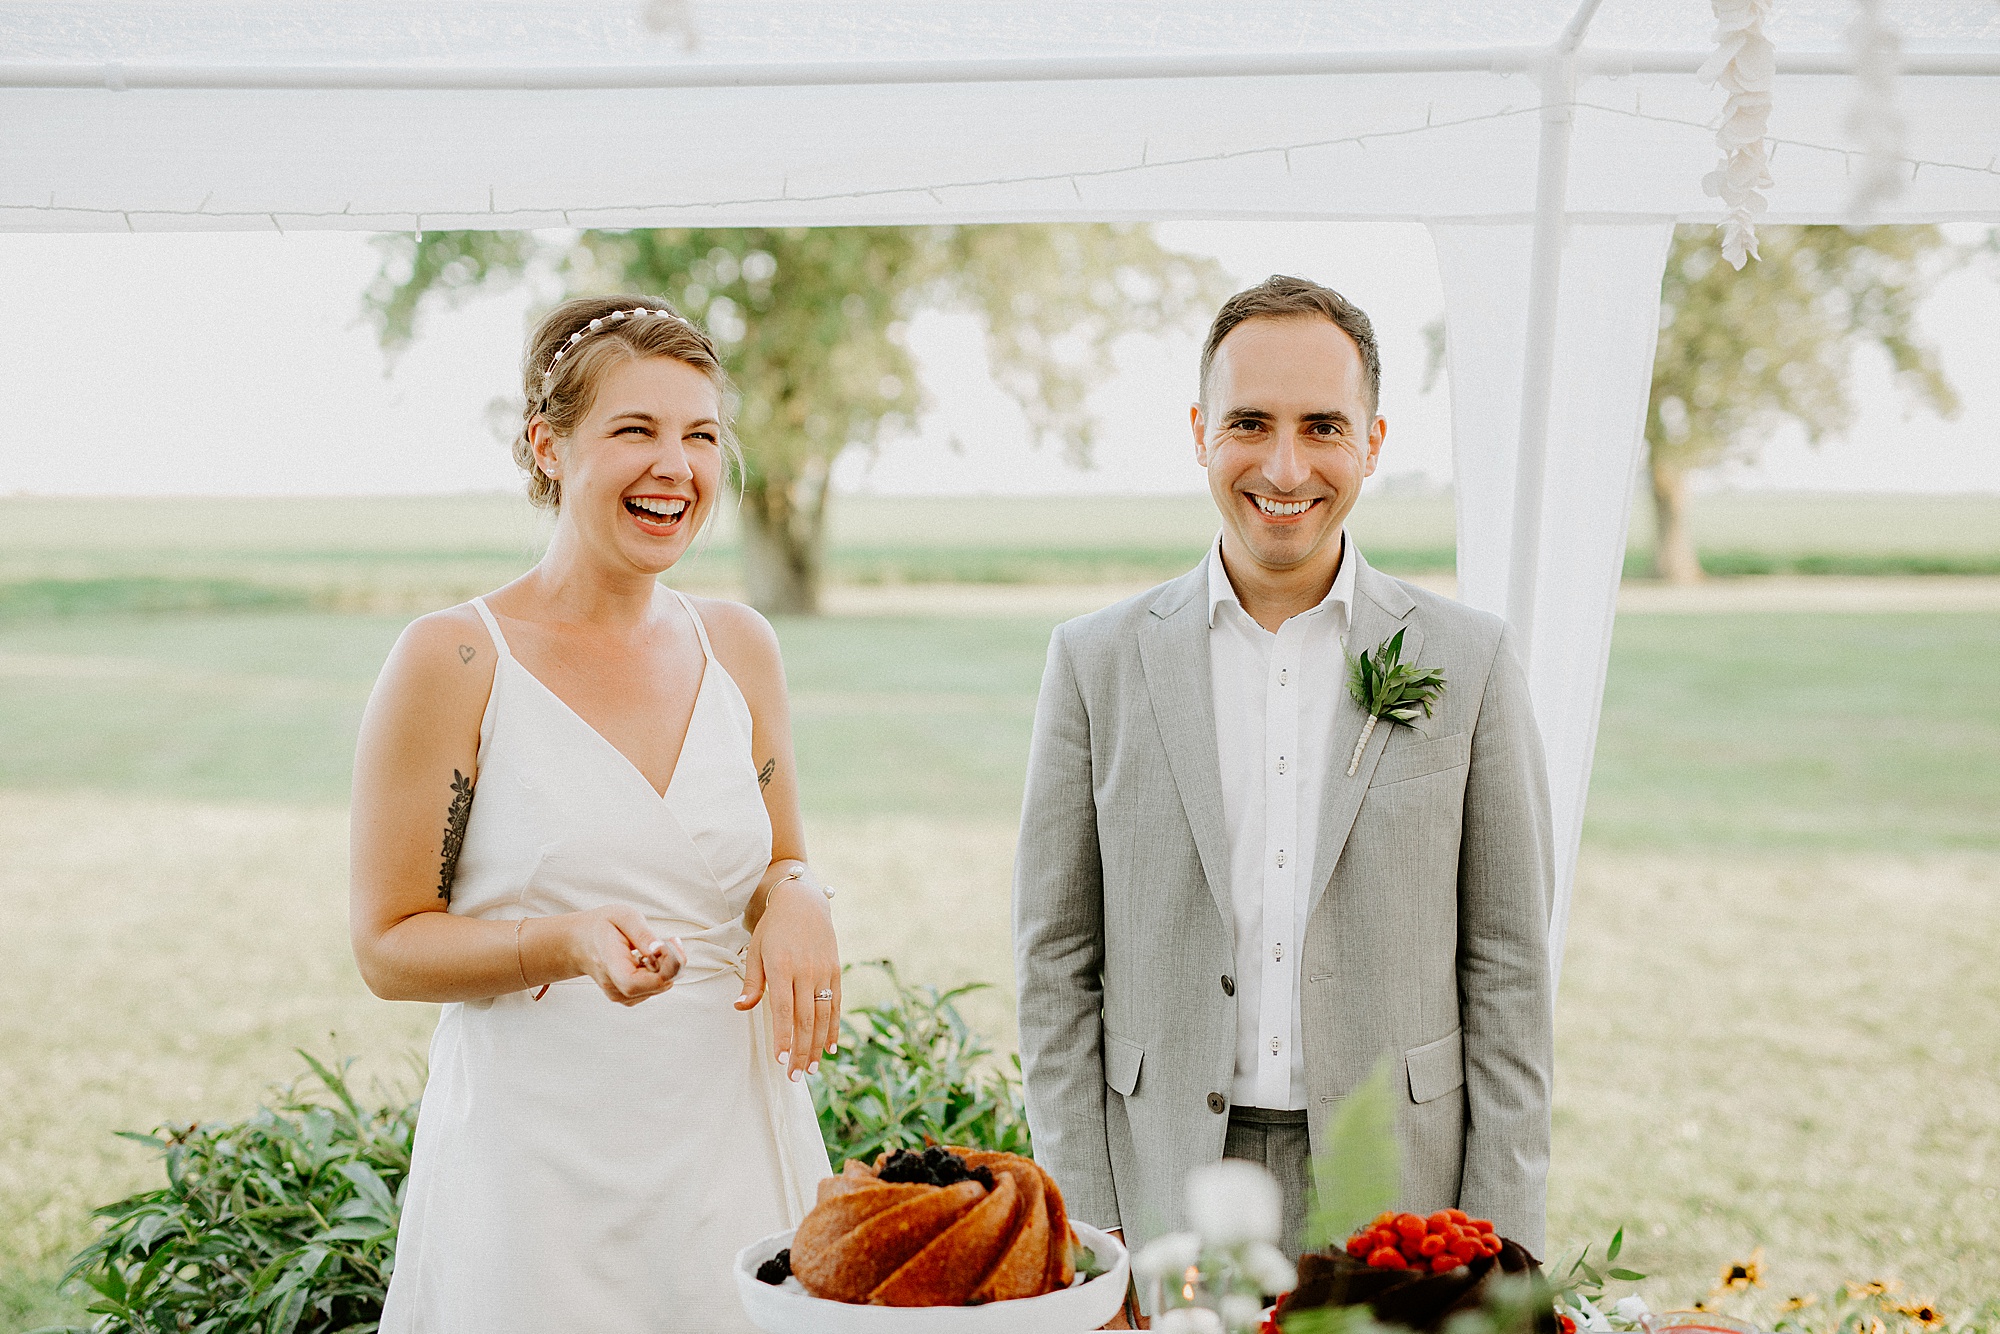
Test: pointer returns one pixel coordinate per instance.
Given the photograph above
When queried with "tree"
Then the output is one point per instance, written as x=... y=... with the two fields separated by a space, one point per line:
x=809 y=323
x=1742 y=352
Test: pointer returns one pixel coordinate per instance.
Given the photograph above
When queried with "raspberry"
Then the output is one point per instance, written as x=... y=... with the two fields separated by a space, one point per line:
x=1411 y=1227
x=1466 y=1249
x=1456 y=1216
x=1387 y=1257
x=1430 y=1247
x=1492 y=1243
x=1360 y=1247
x=1385 y=1219
x=1443 y=1263
x=1568 y=1324
x=1439 y=1221
x=1483 y=1224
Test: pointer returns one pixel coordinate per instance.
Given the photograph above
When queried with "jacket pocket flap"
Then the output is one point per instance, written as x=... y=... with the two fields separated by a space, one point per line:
x=1423 y=757
x=1121 y=1063
x=1436 y=1068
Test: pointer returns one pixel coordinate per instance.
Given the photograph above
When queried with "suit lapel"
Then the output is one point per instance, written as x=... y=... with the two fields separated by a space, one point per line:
x=1173 y=653
x=1381 y=608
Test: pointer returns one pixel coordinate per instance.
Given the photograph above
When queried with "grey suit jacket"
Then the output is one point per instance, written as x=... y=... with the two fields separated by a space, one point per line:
x=1427 y=934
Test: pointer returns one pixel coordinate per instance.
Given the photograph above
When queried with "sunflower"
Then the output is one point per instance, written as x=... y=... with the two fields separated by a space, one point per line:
x=1878 y=1288
x=1923 y=1313
x=1799 y=1303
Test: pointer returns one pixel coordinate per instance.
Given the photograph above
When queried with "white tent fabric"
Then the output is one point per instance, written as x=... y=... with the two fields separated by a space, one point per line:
x=1549 y=144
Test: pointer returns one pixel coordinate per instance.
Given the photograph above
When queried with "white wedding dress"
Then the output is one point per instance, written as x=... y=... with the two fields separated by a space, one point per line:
x=582 y=1166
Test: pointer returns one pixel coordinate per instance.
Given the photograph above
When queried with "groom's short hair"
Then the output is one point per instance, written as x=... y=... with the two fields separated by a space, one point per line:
x=1282 y=298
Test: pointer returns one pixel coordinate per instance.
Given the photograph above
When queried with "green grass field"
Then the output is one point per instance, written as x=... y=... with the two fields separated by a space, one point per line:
x=1779 y=1024
x=417 y=553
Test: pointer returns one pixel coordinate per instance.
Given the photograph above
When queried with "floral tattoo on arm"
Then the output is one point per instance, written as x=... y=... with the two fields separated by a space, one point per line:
x=764 y=774
x=454 y=831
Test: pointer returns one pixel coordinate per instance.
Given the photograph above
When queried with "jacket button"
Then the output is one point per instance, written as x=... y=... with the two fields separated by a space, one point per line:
x=1217 y=1103
x=1228 y=985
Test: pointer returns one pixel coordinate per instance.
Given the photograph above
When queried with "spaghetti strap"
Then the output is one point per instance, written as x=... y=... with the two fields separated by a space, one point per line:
x=701 y=631
x=500 y=640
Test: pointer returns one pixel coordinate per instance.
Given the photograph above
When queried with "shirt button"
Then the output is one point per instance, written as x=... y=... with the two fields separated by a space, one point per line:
x=1228 y=985
x=1217 y=1103
x=1281 y=764
x=1281 y=859
x=1274 y=1046
x=1284 y=675
x=1278 y=952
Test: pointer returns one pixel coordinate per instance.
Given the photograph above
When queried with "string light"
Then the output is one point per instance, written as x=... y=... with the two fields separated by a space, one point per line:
x=403 y=219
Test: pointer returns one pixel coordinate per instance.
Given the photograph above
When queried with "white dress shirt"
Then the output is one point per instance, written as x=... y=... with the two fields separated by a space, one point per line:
x=1274 y=706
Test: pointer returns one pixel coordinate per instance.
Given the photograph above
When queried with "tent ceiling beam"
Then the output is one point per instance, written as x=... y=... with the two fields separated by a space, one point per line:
x=121 y=77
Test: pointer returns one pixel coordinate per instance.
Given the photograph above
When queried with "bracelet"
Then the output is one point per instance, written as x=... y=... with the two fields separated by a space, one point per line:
x=798 y=873
x=520 y=922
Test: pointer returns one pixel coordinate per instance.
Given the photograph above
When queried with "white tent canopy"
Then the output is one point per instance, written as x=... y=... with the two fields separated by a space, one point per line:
x=1550 y=145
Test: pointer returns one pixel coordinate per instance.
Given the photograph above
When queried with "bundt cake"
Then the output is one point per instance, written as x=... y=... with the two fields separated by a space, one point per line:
x=946 y=1227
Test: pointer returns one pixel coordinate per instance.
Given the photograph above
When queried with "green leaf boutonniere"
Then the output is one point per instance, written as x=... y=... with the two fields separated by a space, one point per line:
x=1387 y=687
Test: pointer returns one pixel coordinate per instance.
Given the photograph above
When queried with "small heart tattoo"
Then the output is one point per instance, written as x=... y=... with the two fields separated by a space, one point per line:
x=466 y=652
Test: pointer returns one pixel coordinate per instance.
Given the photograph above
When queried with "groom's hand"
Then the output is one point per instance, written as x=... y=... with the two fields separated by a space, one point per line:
x=1128 y=1316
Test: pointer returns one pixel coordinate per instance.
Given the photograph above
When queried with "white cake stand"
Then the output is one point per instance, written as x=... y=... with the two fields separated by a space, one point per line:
x=1075 y=1310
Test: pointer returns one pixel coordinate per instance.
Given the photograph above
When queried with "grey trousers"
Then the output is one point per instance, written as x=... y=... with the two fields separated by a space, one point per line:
x=1278 y=1141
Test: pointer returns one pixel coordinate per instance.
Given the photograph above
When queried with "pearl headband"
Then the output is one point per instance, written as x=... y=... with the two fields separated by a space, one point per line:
x=596 y=326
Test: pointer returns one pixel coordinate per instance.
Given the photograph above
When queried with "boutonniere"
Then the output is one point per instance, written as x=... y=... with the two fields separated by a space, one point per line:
x=1387 y=687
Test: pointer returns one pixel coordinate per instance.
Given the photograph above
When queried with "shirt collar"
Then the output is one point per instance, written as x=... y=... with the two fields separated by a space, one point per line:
x=1341 y=595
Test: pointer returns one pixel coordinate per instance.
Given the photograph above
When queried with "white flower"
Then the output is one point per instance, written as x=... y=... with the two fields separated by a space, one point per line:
x=1631 y=1308
x=1170 y=1254
x=1234 y=1201
x=1189 y=1320
x=1590 y=1318
x=1269 y=1269
x=1240 y=1312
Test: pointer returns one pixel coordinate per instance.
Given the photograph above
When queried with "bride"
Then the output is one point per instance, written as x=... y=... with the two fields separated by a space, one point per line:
x=576 y=823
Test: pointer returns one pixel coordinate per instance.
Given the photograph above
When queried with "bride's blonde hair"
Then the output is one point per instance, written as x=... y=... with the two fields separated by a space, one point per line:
x=573 y=347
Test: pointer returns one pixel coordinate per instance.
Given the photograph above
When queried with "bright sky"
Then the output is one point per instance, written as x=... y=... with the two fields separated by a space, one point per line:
x=239 y=364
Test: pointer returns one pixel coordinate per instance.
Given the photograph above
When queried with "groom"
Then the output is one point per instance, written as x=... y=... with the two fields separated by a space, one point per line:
x=1220 y=923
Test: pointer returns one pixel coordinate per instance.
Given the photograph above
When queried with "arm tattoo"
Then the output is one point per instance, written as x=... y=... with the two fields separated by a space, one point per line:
x=454 y=831
x=764 y=774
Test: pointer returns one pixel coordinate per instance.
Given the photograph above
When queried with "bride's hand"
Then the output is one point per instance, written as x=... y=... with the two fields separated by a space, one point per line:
x=608 y=945
x=793 y=956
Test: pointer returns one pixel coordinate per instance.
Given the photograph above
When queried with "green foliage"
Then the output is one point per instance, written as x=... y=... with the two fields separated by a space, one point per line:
x=1584 y=1281
x=911 y=1072
x=1361 y=1171
x=1741 y=352
x=809 y=322
x=1387 y=687
x=283 y=1222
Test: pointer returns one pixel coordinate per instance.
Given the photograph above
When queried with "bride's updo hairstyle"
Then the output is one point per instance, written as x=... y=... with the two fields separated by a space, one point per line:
x=573 y=347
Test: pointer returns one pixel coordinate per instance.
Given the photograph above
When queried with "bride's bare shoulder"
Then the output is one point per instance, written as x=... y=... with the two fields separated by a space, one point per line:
x=442 y=663
x=745 y=642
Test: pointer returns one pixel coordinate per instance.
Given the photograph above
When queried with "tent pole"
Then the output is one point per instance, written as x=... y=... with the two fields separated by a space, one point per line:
x=1557 y=74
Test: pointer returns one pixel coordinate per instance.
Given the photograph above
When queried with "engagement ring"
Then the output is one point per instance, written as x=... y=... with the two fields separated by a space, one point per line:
x=826 y=996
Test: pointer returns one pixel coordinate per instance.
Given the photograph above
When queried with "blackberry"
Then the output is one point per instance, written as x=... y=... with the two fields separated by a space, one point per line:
x=905 y=1168
x=935 y=1166
x=946 y=1168
x=776 y=1269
